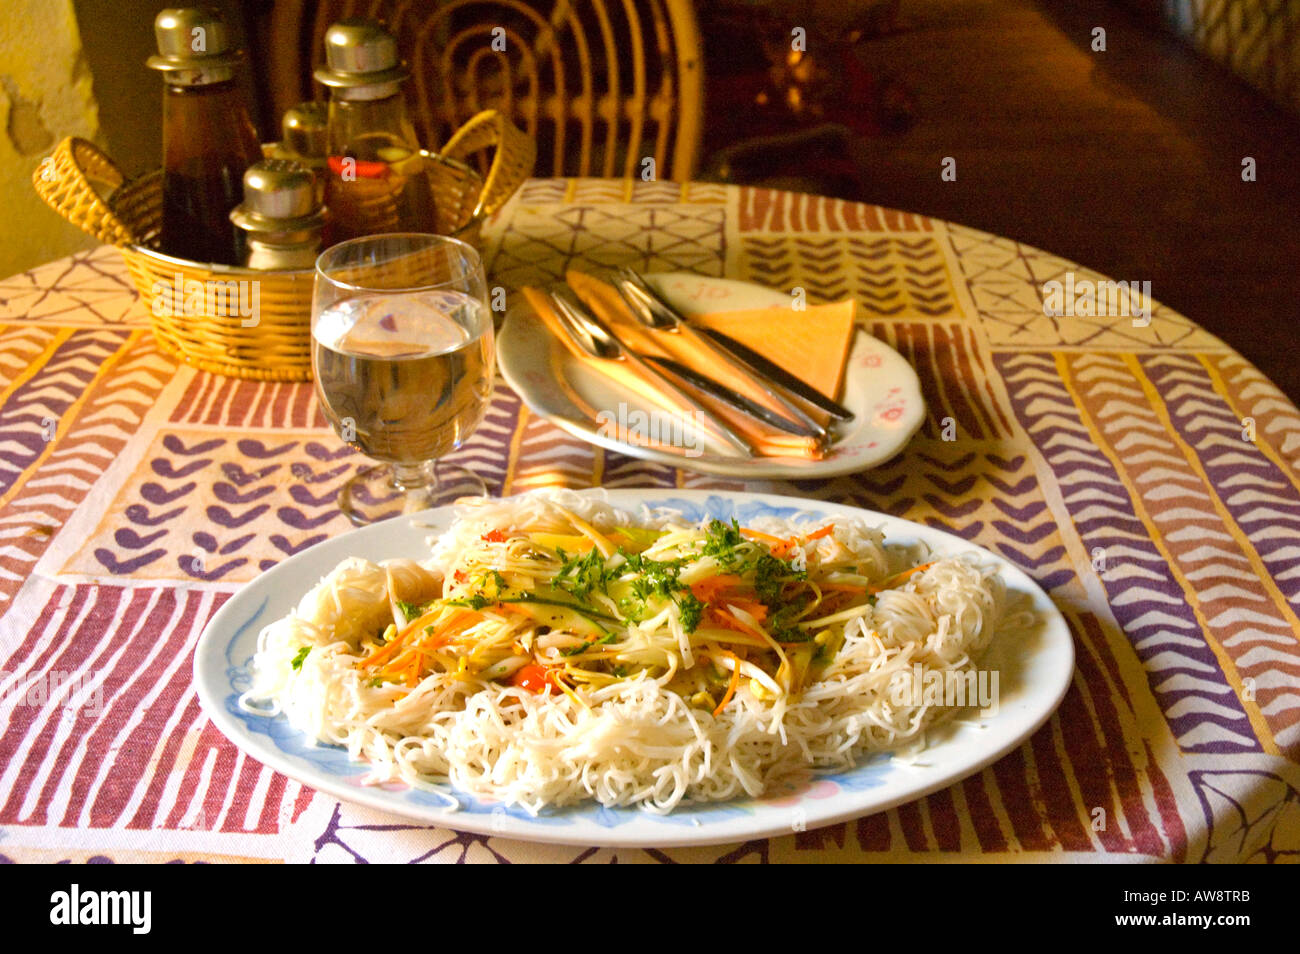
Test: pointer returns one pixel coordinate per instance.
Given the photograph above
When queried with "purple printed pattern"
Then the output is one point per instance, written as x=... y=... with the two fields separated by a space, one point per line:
x=35 y=409
x=1264 y=504
x=1255 y=491
x=1251 y=816
x=203 y=506
x=1150 y=606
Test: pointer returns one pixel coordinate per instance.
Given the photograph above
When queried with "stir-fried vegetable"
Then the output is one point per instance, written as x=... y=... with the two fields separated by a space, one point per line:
x=701 y=609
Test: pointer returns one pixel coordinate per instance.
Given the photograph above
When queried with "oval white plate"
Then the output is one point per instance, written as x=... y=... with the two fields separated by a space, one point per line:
x=1033 y=677
x=880 y=388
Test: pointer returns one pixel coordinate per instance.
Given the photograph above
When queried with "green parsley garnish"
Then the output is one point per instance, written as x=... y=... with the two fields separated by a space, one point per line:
x=302 y=654
x=410 y=610
x=722 y=540
x=580 y=575
x=654 y=577
x=690 y=611
x=770 y=574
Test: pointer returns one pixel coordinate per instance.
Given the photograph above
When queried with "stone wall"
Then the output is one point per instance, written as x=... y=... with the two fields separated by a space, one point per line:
x=45 y=94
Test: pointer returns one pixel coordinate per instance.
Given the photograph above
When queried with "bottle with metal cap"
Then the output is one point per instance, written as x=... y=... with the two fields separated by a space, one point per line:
x=376 y=179
x=280 y=216
x=208 y=135
x=304 y=139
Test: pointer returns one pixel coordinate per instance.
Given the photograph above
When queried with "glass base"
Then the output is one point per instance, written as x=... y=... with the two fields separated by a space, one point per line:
x=384 y=491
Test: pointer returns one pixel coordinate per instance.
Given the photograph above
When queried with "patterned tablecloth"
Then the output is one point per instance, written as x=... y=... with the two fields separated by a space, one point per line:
x=1143 y=473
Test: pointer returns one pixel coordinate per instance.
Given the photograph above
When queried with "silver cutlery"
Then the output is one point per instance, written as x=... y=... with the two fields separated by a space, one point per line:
x=651 y=308
x=595 y=338
x=728 y=396
x=654 y=313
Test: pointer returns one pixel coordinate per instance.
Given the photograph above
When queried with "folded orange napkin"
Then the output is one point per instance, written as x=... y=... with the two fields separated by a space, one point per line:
x=812 y=344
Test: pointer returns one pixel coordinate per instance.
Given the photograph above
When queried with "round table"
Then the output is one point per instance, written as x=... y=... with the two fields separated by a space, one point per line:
x=1142 y=472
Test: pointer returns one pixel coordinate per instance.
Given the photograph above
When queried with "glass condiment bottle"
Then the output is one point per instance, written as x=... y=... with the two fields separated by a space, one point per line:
x=280 y=217
x=208 y=135
x=376 y=179
x=304 y=139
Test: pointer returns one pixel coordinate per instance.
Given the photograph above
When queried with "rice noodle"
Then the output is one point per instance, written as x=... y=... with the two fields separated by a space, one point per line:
x=635 y=741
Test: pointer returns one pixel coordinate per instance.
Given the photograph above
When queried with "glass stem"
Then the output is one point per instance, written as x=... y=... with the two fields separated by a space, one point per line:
x=416 y=476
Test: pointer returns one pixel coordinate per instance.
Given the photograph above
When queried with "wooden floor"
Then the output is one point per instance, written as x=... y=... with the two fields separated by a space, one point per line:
x=1127 y=161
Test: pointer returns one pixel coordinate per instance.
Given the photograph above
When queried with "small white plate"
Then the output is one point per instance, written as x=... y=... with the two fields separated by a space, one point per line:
x=880 y=388
x=1034 y=672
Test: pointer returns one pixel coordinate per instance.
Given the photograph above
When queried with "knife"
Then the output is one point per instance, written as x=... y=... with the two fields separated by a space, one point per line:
x=726 y=395
x=595 y=338
x=761 y=365
x=755 y=363
x=651 y=310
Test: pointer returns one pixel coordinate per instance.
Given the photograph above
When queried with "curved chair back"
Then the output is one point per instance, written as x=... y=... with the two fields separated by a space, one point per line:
x=600 y=85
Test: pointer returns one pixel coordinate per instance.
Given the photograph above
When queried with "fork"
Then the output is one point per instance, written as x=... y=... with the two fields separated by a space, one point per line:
x=595 y=338
x=654 y=311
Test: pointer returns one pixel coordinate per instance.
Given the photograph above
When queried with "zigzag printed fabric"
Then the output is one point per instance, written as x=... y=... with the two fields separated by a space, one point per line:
x=1141 y=471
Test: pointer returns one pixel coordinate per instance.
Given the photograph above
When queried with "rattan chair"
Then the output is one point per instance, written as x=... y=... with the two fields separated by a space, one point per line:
x=600 y=85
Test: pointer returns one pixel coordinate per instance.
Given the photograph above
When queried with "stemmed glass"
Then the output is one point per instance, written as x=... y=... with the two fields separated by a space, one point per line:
x=402 y=350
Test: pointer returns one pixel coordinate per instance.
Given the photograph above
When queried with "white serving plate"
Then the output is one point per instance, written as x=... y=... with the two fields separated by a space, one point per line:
x=1034 y=673
x=880 y=388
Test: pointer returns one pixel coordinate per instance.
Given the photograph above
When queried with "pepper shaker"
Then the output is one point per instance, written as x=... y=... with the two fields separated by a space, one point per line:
x=281 y=217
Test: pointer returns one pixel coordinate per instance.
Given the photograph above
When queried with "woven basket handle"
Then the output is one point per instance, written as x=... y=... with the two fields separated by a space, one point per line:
x=512 y=164
x=65 y=181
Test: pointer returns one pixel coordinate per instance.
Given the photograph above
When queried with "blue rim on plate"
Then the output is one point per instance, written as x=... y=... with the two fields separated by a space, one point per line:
x=1039 y=668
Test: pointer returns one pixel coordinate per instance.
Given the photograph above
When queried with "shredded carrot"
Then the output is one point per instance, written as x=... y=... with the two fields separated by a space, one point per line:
x=752 y=607
x=706 y=591
x=400 y=662
x=731 y=621
x=735 y=623
x=781 y=547
x=424 y=619
x=732 y=685
x=445 y=629
x=899 y=578
x=437 y=637
x=382 y=653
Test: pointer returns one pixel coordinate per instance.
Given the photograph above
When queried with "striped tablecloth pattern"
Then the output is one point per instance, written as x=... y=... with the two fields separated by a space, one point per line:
x=1139 y=469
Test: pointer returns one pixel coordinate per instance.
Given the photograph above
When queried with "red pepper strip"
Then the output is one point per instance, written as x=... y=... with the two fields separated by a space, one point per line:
x=534 y=677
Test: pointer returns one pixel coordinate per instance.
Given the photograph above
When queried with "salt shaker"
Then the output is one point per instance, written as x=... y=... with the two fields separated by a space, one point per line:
x=281 y=217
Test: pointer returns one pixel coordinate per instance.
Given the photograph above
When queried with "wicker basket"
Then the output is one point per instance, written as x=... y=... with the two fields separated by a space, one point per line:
x=211 y=330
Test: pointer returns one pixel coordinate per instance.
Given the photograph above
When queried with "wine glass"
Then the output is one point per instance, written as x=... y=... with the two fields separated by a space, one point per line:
x=402 y=350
